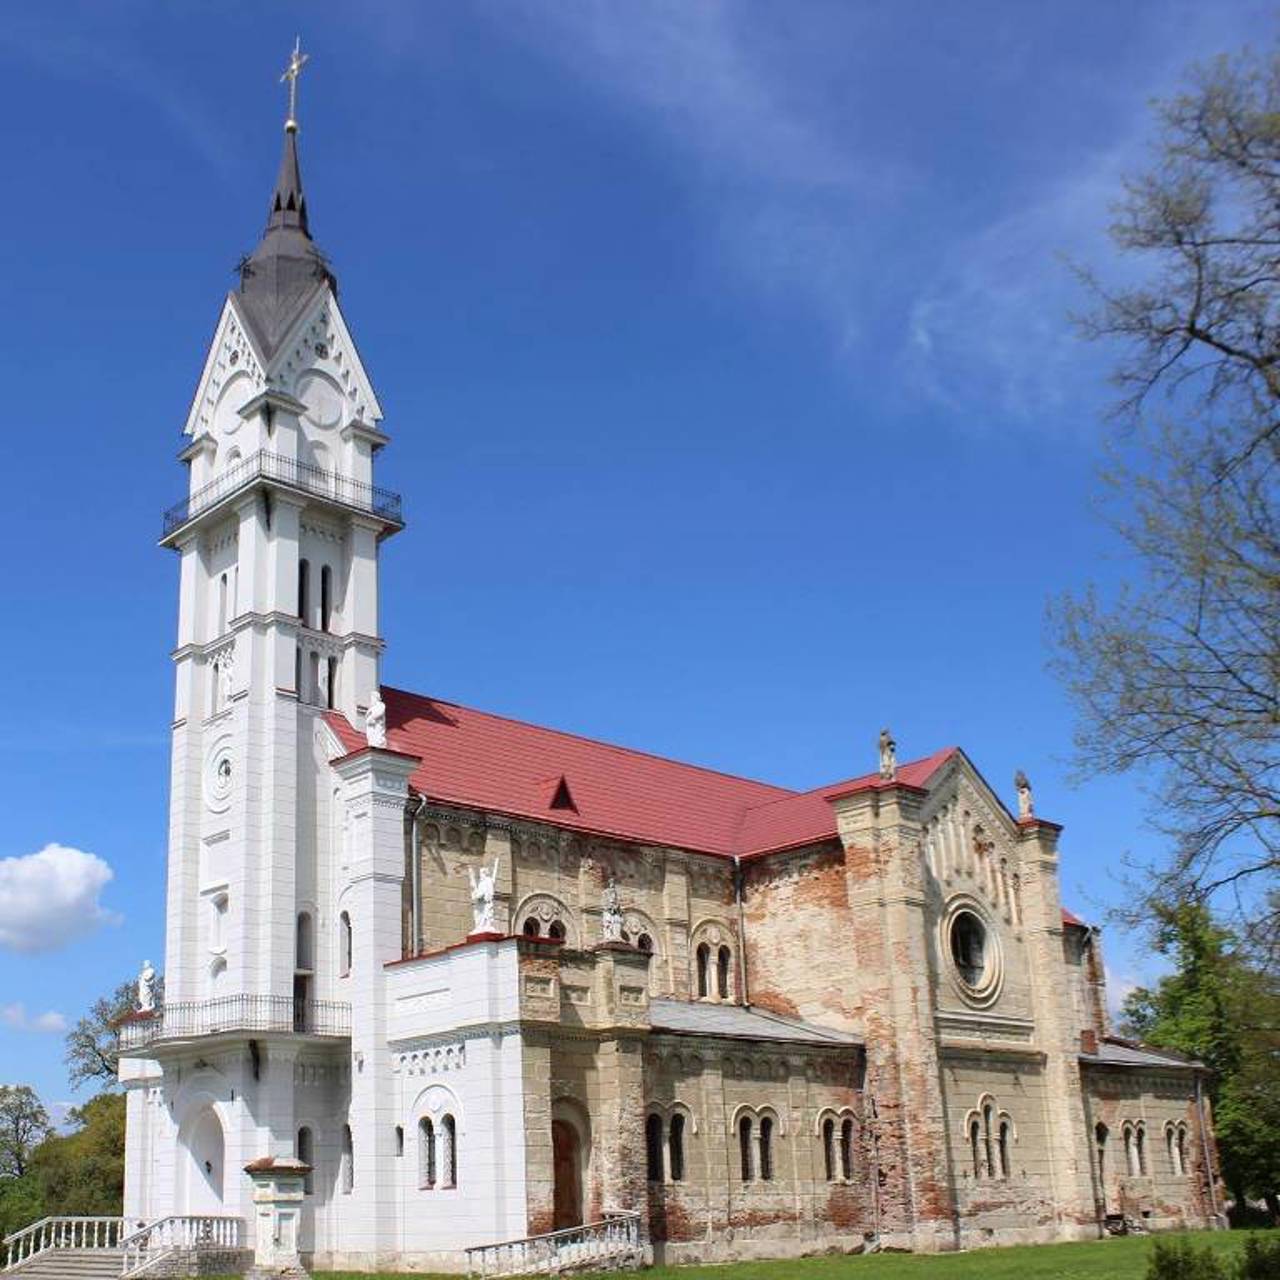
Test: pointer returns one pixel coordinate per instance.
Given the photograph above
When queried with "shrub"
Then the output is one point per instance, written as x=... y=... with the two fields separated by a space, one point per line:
x=1260 y=1260
x=1181 y=1260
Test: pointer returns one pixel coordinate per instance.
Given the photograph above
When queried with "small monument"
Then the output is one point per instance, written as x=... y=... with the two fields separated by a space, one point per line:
x=375 y=721
x=611 y=913
x=147 y=988
x=483 y=888
x=278 y=1186
x=1026 y=803
x=888 y=756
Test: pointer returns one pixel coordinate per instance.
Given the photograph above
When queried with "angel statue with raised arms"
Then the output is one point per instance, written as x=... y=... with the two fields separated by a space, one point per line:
x=483 y=888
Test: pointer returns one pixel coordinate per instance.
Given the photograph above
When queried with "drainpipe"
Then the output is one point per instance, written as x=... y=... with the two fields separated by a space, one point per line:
x=742 y=931
x=415 y=878
x=1204 y=1146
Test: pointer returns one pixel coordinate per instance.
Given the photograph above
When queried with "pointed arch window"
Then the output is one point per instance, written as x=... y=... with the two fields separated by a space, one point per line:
x=704 y=970
x=653 y=1147
x=975 y=1146
x=989 y=1165
x=745 y=1154
x=1140 y=1148
x=724 y=962
x=1002 y=1148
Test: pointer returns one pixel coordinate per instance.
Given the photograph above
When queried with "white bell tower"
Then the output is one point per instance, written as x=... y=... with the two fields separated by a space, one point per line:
x=278 y=540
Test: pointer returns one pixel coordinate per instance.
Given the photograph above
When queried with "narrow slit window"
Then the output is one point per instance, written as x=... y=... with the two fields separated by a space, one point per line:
x=846 y=1150
x=829 y=1148
x=304 y=592
x=449 y=1152
x=704 y=975
x=653 y=1148
x=326 y=597
x=426 y=1153
x=744 y=1149
x=766 y=1149
x=306 y=1153
x=675 y=1148
x=724 y=963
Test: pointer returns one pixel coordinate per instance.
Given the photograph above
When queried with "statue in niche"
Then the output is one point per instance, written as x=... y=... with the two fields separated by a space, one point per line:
x=1026 y=804
x=147 y=988
x=611 y=913
x=483 y=888
x=375 y=721
x=888 y=755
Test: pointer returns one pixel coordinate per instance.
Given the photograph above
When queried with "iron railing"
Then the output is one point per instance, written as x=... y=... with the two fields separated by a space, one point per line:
x=67 y=1233
x=187 y=1019
x=165 y=1238
x=291 y=473
x=611 y=1244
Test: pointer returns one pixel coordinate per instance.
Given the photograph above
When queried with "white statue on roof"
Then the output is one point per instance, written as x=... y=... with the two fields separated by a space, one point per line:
x=484 y=887
x=1026 y=804
x=375 y=721
x=888 y=755
x=146 y=988
x=611 y=913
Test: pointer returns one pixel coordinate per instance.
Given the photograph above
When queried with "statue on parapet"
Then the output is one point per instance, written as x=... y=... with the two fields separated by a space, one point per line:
x=147 y=988
x=888 y=756
x=611 y=913
x=1026 y=803
x=484 y=886
x=375 y=721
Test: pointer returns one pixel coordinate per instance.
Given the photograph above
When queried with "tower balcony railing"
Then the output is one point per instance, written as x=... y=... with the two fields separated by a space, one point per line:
x=291 y=473
x=226 y=1015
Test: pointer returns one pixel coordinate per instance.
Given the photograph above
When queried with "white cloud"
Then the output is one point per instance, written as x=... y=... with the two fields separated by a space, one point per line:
x=1119 y=987
x=15 y=1016
x=49 y=898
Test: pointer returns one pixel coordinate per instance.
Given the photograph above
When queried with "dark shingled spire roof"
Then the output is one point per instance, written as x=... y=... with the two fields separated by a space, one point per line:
x=279 y=278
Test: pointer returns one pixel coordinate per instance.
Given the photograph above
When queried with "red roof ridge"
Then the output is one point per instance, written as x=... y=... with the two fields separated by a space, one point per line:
x=784 y=793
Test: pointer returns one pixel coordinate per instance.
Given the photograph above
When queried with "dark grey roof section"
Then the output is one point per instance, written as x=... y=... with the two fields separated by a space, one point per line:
x=282 y=275
x=699 y=1018
x=1119 y=1053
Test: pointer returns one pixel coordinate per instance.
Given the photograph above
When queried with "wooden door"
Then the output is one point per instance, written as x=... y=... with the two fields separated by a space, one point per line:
x=566 y=1153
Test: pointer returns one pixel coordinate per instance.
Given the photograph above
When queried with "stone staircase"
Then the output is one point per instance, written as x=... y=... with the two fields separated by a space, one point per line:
x=613 y=1244
x=71 y=1264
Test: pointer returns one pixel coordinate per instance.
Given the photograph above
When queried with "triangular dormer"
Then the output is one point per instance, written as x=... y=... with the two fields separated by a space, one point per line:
x=562 y=797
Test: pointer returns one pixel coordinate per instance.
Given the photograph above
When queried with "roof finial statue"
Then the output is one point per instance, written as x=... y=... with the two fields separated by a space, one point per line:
x=375 y=721
x=888 y=756
x=1026 y=806
x=297 y=60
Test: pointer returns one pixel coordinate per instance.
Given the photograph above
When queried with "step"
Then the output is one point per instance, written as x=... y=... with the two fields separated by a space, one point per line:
x=70 y=1264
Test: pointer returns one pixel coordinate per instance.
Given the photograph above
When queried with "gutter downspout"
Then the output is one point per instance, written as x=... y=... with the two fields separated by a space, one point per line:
x=744 y=988
x=415 y=879
x=1208 y=1157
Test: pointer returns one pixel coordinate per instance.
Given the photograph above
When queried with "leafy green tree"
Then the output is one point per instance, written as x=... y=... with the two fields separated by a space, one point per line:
x=92 y=1051
x=1177 y=677
x=1222 y=1007
x=82 y=1172
x=21 y=1203
x=24 y=1124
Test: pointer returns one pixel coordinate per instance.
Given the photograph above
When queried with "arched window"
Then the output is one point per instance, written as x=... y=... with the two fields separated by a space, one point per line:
x=1130 y=1152
x=645 y=943
x=744 y=1148
x=304 y=958
x=222 y=605
x=449 y=1152
x=653 y=1147
x=989 y=1164
x=829 y=1148
x=399 y=1140
x=331 y=683
x=1003 y=1148
x=344 y=945
x=426 y=1153
x=556 y=930
x=675 y=1148
x=723 y=961
x=766 y=1149
x=1140 y=1148
x=531 y=928
x=313 y=690
x=975 y=1146
x=846 y=1150
x=1100 y=1133
x=215 y=689
x=347 y=1179
x=326 y=596
x=704 y=966
x=304 y=592
x=305 y=1151
x=297 y=671
x=1180 y=1147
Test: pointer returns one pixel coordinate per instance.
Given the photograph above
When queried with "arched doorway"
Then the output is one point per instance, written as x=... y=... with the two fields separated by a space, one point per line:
x=205 y=1148
x=566 y=1147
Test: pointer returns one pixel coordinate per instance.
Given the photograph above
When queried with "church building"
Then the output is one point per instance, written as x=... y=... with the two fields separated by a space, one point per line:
x=490 y=981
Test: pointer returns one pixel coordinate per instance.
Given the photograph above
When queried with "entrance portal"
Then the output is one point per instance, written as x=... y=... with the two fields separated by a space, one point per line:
x=567 y=1154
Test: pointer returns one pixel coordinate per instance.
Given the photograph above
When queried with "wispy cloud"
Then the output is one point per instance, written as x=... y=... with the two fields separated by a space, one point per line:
x=16 y=1018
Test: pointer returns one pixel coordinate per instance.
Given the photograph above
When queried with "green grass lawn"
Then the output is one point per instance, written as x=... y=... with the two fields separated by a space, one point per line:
x=1120 y=1259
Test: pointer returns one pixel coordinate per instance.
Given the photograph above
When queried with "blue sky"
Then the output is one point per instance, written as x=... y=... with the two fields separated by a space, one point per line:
x=725 y=351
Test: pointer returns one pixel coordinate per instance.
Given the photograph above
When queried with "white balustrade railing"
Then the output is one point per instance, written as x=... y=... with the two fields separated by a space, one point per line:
x=179 y=1233
x=67 y=1233
x=615 y=1240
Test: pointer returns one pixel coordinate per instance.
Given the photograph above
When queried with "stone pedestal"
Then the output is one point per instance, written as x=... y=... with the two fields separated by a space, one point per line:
x=277 y=1217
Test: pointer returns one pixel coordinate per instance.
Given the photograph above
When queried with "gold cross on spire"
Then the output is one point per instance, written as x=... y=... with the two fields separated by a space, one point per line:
x=297 y=60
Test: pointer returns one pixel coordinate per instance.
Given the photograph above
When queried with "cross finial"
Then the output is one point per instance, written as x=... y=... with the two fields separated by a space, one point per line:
x=297 y=60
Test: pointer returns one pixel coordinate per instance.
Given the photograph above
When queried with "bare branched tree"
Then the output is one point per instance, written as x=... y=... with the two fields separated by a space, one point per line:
x=1181 y=674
